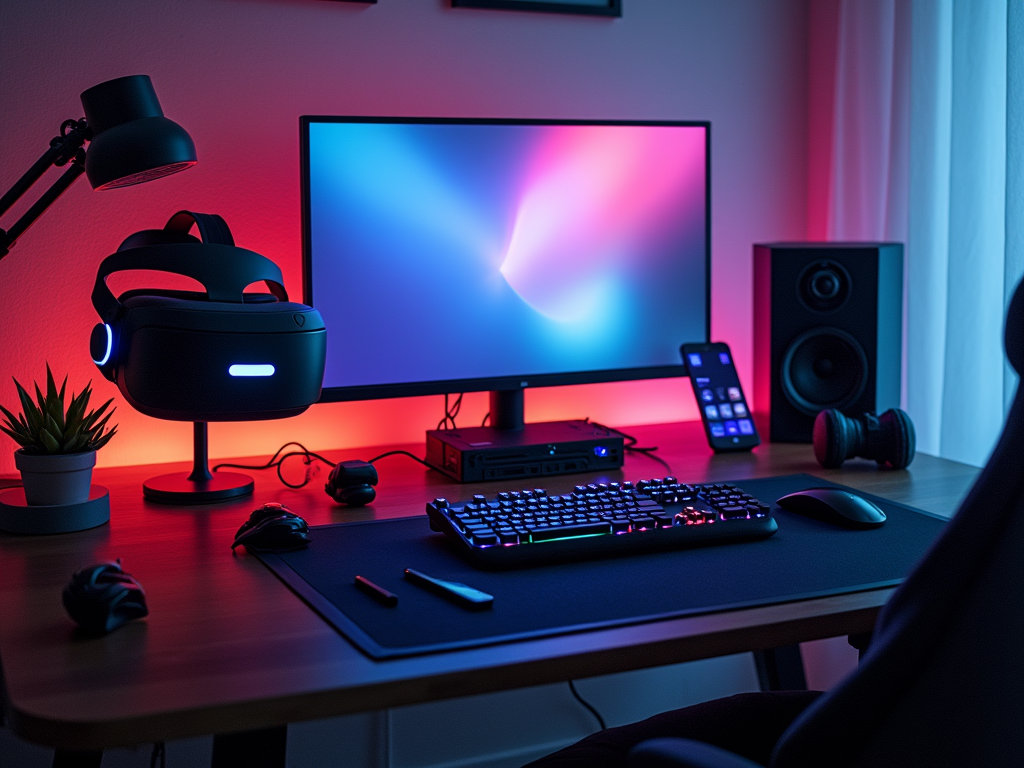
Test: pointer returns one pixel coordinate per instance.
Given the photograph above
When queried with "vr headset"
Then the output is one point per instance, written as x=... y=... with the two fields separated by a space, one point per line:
x=222 y=355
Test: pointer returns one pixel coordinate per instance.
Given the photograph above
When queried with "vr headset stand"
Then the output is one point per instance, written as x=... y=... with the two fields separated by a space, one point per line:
x=200 y=486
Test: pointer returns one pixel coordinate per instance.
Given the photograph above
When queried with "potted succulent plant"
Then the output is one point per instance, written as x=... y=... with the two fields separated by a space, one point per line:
x=58 y=445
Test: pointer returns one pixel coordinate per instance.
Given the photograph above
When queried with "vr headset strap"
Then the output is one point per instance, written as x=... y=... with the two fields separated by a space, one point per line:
x=223 y=270
x=213 y=230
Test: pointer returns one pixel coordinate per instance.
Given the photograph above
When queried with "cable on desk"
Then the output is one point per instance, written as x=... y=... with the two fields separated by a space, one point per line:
x=412 y=456
x=278 y=459
x=308 y=457
x=588 y=705
x=631 y=444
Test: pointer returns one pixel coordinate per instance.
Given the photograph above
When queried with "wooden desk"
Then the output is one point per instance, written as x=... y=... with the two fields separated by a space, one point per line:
x=227 y=647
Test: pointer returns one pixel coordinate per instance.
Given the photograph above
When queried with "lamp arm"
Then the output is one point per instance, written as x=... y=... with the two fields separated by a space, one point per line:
x=73 y=135
x=64 y=148
x=45 y=201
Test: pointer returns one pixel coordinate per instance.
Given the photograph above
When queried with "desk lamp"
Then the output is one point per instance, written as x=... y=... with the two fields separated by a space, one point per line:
x=131 y=142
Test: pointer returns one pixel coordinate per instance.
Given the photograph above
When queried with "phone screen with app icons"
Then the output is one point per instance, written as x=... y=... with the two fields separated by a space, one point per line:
x=728 y=423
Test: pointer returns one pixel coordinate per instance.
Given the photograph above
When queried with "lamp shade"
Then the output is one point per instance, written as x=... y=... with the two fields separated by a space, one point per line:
x=132 y=141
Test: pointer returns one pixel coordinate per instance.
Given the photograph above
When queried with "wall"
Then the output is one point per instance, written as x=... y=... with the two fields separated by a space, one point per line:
x=238 y=73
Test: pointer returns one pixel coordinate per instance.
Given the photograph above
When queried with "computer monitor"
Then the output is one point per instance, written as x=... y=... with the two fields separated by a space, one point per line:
x=460 y=255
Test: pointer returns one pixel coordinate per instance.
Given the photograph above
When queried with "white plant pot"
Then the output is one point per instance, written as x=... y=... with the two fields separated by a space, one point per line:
x=60 y=478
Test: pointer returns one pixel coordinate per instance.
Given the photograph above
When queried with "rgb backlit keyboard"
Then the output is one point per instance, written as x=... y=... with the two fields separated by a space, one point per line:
x=598 y=520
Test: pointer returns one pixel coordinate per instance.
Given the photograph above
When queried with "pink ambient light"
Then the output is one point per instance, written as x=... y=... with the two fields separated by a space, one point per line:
x=595 y=195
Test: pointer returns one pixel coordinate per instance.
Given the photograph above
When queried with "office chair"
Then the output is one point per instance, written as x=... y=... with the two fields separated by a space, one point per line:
x=942 y=682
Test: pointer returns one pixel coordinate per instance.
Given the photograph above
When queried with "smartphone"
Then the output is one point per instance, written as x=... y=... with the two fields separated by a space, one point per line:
x=728 y=423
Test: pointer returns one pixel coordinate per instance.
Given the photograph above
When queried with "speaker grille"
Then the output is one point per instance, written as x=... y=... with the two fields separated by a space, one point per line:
x=824 y=368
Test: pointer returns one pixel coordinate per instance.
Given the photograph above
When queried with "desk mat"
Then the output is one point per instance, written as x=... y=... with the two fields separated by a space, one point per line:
x=805 y=558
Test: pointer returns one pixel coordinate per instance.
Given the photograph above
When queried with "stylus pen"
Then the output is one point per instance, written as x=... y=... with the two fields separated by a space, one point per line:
x=378 y=593
x=467 y=597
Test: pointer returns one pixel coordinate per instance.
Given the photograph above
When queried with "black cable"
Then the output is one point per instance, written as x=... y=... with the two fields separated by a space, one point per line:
x=308 y=457
x=450 y=413
x=588 y=705
x=648 y=452
x=484 y=422
x=631 y=444
x=412 y=456
x=159 y=753
x=277 y=460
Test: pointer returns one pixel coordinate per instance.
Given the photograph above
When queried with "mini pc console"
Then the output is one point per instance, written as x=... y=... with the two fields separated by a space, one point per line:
x=537 y=450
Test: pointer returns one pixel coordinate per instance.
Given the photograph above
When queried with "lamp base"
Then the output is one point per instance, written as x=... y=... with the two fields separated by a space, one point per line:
x=178 y=488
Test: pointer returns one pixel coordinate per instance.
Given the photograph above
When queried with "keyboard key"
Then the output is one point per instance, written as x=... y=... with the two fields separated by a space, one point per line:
x=732 y=512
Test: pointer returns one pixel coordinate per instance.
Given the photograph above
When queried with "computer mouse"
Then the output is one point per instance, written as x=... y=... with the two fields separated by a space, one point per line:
x=834 y=505
x=272 y=528
x=102 y=597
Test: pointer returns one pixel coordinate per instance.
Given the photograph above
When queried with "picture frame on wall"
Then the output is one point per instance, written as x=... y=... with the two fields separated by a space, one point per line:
x=582 y=7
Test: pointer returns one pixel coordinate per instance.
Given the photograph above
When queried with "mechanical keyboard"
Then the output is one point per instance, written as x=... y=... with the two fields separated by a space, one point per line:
x=530 y=527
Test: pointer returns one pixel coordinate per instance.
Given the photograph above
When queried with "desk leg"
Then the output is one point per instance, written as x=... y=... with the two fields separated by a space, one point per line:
x=781 y=669
x=66 y=758
x=264 y=748
x=861 y=643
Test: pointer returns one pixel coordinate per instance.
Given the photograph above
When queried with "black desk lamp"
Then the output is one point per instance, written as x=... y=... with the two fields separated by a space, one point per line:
x=132 y=142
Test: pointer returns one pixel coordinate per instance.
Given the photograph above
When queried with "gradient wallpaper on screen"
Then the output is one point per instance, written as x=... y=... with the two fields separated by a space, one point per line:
x=461 y=251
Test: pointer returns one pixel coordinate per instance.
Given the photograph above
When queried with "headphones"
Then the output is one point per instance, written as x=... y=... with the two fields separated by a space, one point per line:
x=889 y=438
x=218 y=355
x=351 y=483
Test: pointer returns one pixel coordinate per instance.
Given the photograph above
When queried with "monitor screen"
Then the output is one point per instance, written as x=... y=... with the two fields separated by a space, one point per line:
x=454 y=255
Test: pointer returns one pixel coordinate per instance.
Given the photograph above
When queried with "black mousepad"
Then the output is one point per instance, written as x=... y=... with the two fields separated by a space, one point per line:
x=805 y=558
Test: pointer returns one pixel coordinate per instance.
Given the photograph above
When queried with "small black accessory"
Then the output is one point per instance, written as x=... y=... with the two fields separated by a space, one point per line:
x=376 y=591
x=132 y=142
x=351 y=483
x=889 y=438
x=102 y=597
x=218 y=355
x=272 y=528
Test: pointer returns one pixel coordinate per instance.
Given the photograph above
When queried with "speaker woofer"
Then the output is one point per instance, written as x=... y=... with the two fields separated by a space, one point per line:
x=824 y=368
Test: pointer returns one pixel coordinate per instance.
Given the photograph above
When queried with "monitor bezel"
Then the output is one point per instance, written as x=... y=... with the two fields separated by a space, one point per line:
x=482 y=384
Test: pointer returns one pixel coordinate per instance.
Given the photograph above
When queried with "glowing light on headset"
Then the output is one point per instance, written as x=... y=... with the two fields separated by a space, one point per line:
x=110 y=346
x=243 y=369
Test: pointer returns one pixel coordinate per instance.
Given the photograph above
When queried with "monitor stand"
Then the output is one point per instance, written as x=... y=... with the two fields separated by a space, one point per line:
x=511 y=449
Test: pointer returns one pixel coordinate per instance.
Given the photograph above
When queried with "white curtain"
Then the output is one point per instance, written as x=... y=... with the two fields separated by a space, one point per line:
x=927 y=148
